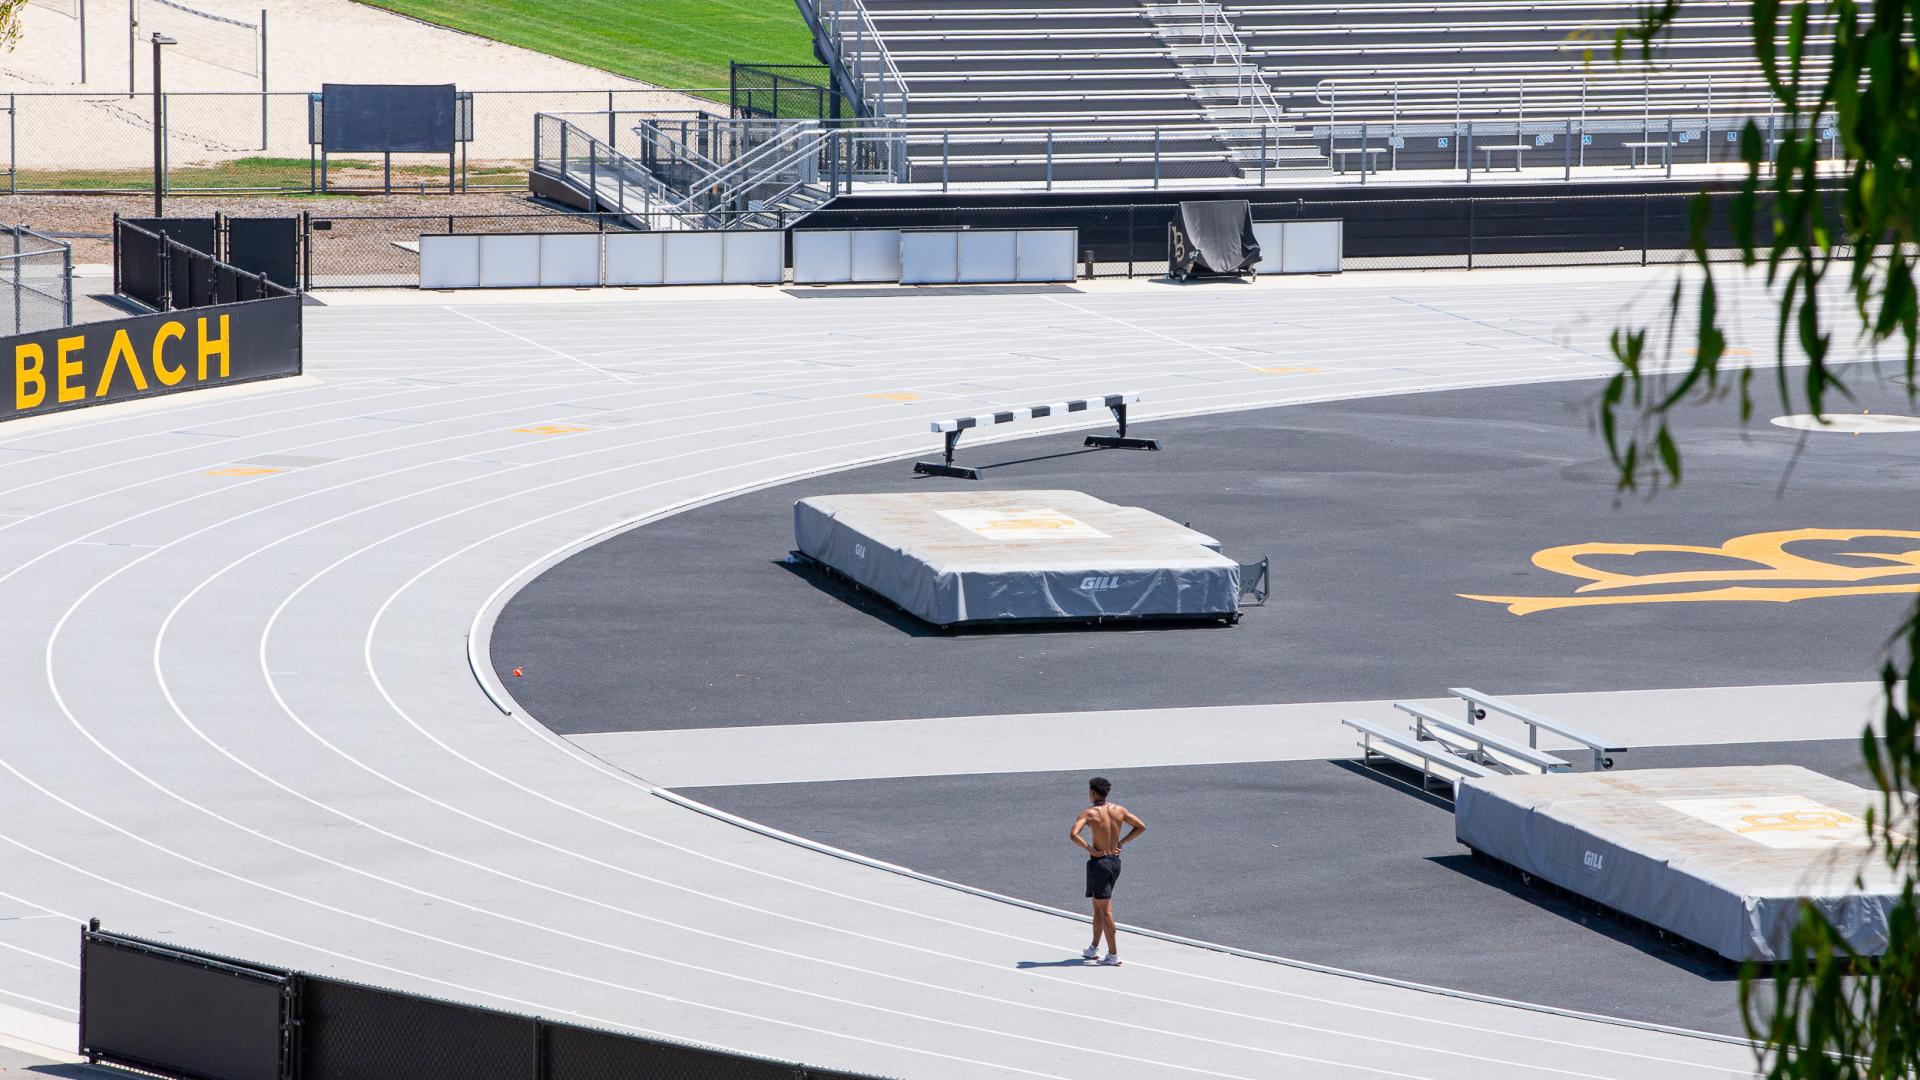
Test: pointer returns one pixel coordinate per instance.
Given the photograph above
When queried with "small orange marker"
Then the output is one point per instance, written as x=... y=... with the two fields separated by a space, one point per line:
x=517 y=673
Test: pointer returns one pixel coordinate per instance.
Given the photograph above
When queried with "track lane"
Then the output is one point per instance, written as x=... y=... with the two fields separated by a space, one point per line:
x=427 y=688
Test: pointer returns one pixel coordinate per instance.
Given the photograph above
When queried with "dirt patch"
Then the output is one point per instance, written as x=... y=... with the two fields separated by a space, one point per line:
x=93 y=214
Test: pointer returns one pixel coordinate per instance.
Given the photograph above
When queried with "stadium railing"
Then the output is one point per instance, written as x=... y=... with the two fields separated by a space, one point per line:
x=858 y=52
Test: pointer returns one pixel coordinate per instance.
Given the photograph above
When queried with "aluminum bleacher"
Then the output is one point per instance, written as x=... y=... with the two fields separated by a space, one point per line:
x=1080 y=90
x=1093 y=90
x=1414 y=61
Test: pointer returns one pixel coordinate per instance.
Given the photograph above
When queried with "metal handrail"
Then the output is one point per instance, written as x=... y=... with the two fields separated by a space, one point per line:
x=720 y=191
x=625 y=169
x=732 y=174
x=1250 y=85
x=827 y=19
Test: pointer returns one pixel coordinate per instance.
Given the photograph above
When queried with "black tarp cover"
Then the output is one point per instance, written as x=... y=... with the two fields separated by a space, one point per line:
x=1212 y=238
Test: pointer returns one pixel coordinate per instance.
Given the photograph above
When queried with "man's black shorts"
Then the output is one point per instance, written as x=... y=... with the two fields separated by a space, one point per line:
x=1102 y=873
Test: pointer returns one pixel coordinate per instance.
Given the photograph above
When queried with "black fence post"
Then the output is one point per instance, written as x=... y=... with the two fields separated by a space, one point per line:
x=1132 y=235
x=116 y=253
x=306 y=247
x=1646 y=226
x=1470 y=224
x=290 y=1042
x=164 y=292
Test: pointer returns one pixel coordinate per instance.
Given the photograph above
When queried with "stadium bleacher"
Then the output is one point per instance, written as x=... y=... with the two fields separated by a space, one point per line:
x=1495 y=60
x=1078 y=89
x=1238 y=86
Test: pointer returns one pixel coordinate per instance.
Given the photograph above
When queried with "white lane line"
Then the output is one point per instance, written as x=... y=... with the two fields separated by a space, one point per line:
x=477 y=664
x=181 y=407
x=520 y=405
x=310 y=407
x=41 y=1002
x=530 y=1006
x=373 y=671
x=182 y=539
x=543 y=347
x=72 y=719
x=311 y=579
x=40 y=956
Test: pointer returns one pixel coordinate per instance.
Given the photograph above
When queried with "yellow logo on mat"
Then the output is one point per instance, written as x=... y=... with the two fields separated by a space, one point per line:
x=551 y=429
x=243 y=470
x=1771 y=573
x=1796 y=821
x=1029 y=523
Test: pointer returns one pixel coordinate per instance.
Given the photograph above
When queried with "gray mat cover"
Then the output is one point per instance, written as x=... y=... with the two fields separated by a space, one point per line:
x=1720 y=856
x=991 y=556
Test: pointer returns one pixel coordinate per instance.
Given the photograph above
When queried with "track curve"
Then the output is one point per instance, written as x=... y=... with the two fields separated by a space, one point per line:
x=244 y=713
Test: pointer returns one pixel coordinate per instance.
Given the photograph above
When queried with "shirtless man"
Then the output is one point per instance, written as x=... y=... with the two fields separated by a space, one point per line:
x=1103 y=820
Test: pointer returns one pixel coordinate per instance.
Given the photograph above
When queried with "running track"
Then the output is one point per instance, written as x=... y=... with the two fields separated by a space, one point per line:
x=241 y=635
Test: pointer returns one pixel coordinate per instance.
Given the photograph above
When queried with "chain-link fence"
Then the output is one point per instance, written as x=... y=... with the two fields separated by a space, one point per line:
x=242 y=141
x=785 y=91
x=36 y=279
x=1130 y=240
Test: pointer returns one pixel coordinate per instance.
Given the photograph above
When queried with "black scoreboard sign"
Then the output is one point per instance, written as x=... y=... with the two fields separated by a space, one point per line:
x=193 y=349
x=363 y=118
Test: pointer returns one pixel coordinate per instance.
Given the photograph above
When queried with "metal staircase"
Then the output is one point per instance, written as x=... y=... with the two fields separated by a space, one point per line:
x=1231 y=89
x=745 y=175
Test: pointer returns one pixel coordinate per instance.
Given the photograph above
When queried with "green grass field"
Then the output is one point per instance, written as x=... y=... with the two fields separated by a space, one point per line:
x=252 y=173
x=674 y=43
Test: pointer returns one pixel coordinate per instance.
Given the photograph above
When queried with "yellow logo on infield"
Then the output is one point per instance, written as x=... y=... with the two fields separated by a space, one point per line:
x=1767 y=572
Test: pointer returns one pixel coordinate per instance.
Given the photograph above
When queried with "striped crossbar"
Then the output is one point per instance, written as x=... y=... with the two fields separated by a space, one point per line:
x=1009 y=415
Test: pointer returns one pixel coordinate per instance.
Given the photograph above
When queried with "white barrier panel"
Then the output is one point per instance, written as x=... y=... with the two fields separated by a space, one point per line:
x=828 y=256
x=1267 y=235
x=1298 y=247
x=947 y=256
x=694 y=258
x=753 y=258
x=1312 y=247
x=449 y=262
x=929 y=258
x=989 y=255
x=509 y=261
x=636 y=259
x=1046 y=254
x=822 y=257
x=876 y=255
x=570 y=259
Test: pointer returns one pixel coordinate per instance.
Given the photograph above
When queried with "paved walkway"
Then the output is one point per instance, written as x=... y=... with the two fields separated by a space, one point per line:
x=243 y=714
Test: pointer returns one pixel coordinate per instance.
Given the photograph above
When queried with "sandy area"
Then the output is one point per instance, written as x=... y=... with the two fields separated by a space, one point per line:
x=218 y=115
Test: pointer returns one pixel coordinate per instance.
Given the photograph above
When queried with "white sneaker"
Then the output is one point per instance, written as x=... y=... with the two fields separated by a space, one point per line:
x=1092 y=953
x=1112 y=960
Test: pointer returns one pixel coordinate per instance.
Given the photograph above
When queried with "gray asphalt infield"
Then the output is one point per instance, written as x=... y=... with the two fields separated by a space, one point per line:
x=1377 y=514
x=1325 y=861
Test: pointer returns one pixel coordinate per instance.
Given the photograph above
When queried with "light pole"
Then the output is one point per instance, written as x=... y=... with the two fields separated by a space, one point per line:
x=159 y=131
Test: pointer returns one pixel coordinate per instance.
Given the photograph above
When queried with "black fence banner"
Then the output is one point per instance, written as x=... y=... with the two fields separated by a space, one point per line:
x=191 y=1015
x=149 y=355
x=152 y=1007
